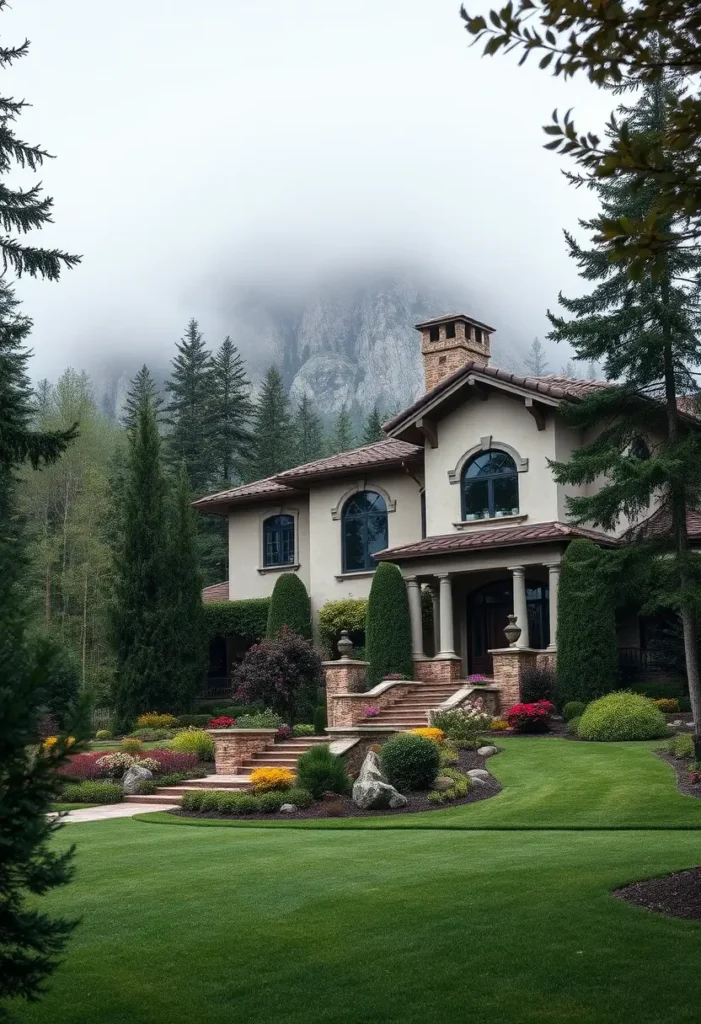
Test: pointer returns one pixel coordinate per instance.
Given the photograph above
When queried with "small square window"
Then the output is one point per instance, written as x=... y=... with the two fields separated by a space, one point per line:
x=450 y=330
x=478 y=335
x=433 y=333
x=442 y=360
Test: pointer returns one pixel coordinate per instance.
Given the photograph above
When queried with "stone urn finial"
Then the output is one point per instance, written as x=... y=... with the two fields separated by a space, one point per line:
x=345 y=646
x=512 y=631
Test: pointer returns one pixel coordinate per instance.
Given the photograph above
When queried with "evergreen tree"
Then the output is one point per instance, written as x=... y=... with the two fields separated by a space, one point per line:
x=140 y=617
x=308 y=433
x=536 y=363
x=272 y=429
x=388 y=626
x=372 y=430
x=186 y=647
x=142 y=387
x=567 y=369
x=190 y=413
x=342 y=439
x=646 y=328
x=289 y=608
x=231 y=410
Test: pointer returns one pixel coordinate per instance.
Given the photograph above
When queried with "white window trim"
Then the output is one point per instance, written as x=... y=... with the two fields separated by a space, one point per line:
x=268 y=513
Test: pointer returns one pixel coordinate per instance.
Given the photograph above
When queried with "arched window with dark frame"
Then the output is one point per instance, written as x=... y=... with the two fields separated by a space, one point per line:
x=489 y=486
x=278 y=541
x=363 y=530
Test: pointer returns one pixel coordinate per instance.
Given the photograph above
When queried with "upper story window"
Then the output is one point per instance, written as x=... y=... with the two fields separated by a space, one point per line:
x=363 y=530
x=278 y=541
x=489 y=486
x=639 y=448
x=450 y=330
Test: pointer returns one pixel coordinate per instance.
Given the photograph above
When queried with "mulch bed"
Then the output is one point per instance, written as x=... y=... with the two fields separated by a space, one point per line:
x=677 y=895
x=338 y=806
x=682 y=770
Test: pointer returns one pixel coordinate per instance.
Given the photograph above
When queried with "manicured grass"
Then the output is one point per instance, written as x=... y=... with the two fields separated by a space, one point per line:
x=548 y=783
x=70 y=807
x=220 y=925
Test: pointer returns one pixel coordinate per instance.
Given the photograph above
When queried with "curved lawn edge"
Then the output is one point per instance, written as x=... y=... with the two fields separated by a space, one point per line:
x=548 y=785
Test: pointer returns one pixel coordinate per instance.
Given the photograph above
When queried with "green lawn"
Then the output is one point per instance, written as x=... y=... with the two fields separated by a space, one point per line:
x=514 y=925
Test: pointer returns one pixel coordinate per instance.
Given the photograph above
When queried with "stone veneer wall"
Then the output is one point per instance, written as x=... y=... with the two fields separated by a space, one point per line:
x=234 y=746
x=509 y=666
x=347 y=709
x=437 y=670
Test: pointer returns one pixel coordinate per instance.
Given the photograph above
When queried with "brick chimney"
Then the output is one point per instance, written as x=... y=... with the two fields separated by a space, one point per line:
x=449 y=342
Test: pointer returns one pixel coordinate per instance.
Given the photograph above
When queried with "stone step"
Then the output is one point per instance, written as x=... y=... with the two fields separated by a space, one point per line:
x=271 y=757
x=155 y=798
x=179 y=790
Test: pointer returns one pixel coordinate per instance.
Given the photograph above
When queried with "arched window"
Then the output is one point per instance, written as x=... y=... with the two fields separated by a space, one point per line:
x=489 y=486
x=363 y=530
x=279 y=541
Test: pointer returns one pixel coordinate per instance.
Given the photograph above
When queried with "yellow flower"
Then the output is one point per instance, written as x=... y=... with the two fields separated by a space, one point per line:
x=499 y=725
x=437 y=735
x=264 y=779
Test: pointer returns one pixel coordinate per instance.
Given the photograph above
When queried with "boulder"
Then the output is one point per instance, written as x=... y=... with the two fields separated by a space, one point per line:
x=478 y=773
x=372 y=791
x=288 y=808
x=133 y=778
x=442 y=783
x=486 y=751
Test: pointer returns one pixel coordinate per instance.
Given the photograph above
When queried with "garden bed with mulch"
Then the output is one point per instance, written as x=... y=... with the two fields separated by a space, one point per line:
x=336 y=806
x=676 y=895
x=681 y=769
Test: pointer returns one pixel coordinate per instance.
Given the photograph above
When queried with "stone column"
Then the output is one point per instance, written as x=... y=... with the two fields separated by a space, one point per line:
x=553 y=587
x=447 y=648
x=520 y=605
x=417 y=634
x=435 y=597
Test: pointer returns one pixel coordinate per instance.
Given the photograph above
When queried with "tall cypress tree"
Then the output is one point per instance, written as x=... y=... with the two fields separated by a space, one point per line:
x=142 y=387
x=272 y=448
x=190 y=412
x=342 y=439
x=372 y=430
x=646 y=328
x=140 y=614
x=308 y=433
x=231 y=412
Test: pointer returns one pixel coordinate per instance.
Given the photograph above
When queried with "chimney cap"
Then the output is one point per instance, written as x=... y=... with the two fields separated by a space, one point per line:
x=451 y=318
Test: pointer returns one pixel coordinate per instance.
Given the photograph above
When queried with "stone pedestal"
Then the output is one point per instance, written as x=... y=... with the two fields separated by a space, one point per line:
x=509 y=665
x=343 y=677
x=234 y=746
x=438 y=670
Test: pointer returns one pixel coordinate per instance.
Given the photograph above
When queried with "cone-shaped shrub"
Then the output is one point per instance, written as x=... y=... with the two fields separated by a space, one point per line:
x=388 y=629
x=289 y=606
x=587 y=646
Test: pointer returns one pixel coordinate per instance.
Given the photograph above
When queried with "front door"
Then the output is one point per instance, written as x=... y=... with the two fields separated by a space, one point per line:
x=487 y=611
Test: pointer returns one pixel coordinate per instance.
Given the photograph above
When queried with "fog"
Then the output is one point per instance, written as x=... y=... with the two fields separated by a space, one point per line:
x=202 y=147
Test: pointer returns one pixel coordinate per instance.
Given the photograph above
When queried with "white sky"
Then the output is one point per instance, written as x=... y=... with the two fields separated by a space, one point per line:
x=204 y=143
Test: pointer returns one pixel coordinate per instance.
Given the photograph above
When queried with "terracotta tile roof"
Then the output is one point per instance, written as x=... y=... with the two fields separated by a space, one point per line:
x=454 y=316
x=217 y=592
x=659 y=524
x=247 y=494
x=371 y=456
x=495 y=537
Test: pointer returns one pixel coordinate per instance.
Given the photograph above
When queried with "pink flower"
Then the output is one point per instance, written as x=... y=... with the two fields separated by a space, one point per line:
x=371 y=712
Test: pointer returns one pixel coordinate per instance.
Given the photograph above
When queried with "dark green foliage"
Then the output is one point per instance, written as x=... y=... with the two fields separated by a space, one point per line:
x=90 y=792
x=573 y=709
x=303 y=729
x=190 y=413
x=587 y=645
x=198 y=720
x=320 y=771
x=301 y=798
x=372 y=431
x=147 y=787
x=271 y=429
x=573 y=725
x=537 y=684
x=271 y=802
x=231 y=408
x=308 y=436
x=342 y=439
x=320 y=721
x=223 y=803
x=388 y=631
x=289 y=607
x=245 y=619
x=235 y=711
x=62 y=682
x=410 y=761
x=143 y=389
x=622 y=716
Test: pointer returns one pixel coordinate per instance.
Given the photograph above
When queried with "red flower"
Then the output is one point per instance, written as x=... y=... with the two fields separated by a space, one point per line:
x=530 y=717
x=223 y=722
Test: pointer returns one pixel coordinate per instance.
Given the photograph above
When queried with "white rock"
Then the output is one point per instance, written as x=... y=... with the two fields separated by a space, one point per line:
x=478 y=773
x=442 y=783
x=133 y=778
x=288 y=808
x=486 y=751
x=372 y=791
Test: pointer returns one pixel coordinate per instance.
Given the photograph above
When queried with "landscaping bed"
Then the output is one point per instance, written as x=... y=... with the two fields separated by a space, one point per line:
x=335 y=805
x=677 y=894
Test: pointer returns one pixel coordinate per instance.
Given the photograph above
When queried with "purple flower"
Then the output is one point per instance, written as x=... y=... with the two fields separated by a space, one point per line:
x=371 y=712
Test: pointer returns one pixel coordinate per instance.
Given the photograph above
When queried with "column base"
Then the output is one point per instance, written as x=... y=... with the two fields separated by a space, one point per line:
x=439 y=670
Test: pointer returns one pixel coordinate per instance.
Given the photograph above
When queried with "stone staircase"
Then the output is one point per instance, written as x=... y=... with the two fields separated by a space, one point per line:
x=411 y=712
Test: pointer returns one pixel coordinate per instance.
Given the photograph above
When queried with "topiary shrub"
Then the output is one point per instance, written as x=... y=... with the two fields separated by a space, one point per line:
x=194 y=741
x=289 y=608
x=92 y=793
x=573 y=709
x=320 y=720
x=320 y=771
x=335 y=616
x=622 y=716
x=388 y=628
x=587 y=645
x=410 y=761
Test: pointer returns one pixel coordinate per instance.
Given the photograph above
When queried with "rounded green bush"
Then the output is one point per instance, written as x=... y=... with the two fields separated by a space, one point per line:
x=410 y=761
x=573 y=726
x=192 y=801
x=302 y=730
x=301 y=798
x=573 y=709
x=91 y=792
x=271 y=802
x=320 y=771
x=622 y=716
x=194 y=741
x=103 y=734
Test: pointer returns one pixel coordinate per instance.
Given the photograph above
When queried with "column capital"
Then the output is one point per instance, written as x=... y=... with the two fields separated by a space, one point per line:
x=553 y=566
x=442 y=576
x=411 y=581
x=517 y=570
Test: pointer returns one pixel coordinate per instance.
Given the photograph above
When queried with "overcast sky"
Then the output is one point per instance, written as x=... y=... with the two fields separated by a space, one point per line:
x=204 y=143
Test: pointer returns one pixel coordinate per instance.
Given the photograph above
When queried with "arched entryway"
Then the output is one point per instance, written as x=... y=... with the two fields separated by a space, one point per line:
x=487 y=610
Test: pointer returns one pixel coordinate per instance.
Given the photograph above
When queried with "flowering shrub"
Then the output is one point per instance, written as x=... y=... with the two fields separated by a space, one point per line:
x=170 y=761
x=695 y=776
x=667 y=705
x=371 y=712
x=131 y=746
x=264 y=779
x=160 y=762
x=499 y=725
x=154 y=720
x=437 y=735
x=222 y=722
x=283 y=673
x=464 y=725
x=477 y=679
x=530 y=717
x=115 y=765
x=51 y=741
x=283 y=733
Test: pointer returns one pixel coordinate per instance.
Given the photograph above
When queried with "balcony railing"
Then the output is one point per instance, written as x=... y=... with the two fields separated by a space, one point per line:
x=635 y=663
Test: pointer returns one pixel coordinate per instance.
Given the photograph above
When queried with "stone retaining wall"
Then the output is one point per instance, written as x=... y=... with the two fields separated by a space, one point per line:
x=234 y=746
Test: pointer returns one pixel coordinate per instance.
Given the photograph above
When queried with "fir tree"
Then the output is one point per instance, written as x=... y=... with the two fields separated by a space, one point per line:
x=142 y=387
x=140 y=626
x=646 y=329
x=536 y=363
x=186 y=648
x=567 y=369
x=308 y=433
x=342 y=439
x=190 y=413
x=272 y=429
x=231 y=410
x=372 y=431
